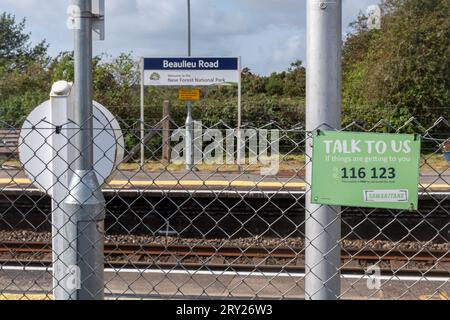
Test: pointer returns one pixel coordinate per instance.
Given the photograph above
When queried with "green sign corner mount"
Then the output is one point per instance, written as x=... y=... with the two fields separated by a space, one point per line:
x=361 y=169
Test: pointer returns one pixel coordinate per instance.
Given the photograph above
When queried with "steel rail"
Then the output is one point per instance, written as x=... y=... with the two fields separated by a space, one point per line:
x=234 y=252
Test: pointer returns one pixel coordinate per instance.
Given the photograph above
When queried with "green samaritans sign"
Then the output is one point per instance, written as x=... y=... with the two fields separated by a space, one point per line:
x=365 y=169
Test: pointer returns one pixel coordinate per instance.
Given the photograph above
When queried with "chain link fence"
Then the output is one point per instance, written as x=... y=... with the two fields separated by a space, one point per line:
x=222 y=230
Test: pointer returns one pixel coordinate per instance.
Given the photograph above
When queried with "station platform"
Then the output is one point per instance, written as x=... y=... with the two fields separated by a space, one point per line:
x=10 y=179
x=189 y=284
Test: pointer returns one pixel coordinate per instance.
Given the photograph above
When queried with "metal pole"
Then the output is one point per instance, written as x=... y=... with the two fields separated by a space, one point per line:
x=189 y=137
x=239 y=134
x=189 y=121
x=142 y=117
x=323 y=110
x=189 y=27
x=84 y=207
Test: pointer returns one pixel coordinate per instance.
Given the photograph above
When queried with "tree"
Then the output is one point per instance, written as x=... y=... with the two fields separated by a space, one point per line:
x=295 y=81
x=403 y=69
x=15 y=47
x=62 y=67
x=24 y=75
x=275 y=85
x=252 y=84
x=116 y=81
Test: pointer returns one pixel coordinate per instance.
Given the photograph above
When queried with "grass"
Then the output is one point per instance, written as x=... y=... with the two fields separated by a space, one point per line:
x=291 y=163
x=429 y=163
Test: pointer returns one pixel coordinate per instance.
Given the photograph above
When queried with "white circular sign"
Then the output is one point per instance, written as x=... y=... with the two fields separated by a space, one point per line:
x=45 y=151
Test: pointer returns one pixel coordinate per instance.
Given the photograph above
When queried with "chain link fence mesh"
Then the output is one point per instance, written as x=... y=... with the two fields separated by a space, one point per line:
x=220 y=230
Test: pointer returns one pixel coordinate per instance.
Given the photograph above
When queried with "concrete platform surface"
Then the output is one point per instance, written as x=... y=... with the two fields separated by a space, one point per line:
x=207 y=180
x=36 y=283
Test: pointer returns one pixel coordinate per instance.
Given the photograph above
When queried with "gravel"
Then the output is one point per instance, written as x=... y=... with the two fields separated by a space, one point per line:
x=295 y=242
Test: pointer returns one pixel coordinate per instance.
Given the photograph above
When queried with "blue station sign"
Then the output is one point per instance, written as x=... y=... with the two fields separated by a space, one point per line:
x=191 y=71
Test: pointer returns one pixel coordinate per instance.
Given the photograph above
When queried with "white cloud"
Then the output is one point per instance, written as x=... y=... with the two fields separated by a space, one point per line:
x=156 y=16
x=290 y=49
x=268 y=34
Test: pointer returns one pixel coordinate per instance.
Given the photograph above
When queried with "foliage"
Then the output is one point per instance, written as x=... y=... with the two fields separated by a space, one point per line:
x=16 y=50
x=23 y=70
x=403 y=69
x=394 y=73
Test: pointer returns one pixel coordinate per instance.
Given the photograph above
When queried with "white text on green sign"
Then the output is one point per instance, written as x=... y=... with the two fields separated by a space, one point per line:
x=366 y=169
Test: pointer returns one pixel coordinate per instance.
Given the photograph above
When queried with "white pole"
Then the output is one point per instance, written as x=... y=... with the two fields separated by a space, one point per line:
x=142 y=122
x=323 y=110
x=239 y=135
x=189 y=27
x=189 y=120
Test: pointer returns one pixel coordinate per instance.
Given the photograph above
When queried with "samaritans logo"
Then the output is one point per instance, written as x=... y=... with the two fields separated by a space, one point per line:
x=155 y=76
x=385 y=195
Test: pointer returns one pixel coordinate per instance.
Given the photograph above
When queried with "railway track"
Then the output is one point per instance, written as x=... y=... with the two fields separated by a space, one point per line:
x=134 y=213
x=234 y=258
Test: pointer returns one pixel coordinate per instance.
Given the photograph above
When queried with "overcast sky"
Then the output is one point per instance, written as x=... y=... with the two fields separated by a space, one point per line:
x=268 y=34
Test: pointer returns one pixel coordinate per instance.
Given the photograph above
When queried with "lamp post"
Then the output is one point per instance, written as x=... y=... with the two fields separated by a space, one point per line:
x=323 y=111
x=189 y=119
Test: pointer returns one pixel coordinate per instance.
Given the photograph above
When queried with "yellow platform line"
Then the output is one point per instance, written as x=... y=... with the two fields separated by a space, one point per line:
x=434 y=186
x=437 y=296
x=15 y=181
x=43 y=297
x=15 y=297
x=208 y=183
x=173 y=183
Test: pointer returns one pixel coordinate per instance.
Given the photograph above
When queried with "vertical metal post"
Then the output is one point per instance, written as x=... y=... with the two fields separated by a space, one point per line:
x=142 y=116
x=239 y=125
x=323 y=110
x=82 y=260
x=189 y=27
x=189 y=137
x=189 y=121
x=61 y=102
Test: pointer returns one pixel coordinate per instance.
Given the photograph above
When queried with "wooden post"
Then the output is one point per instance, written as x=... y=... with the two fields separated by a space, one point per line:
x=166 y=132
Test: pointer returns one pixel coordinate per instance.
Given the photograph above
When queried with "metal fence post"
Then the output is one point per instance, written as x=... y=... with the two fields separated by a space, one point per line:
x=142 y=115
x=239 y=124
x=323 y=110
x=84 y=208
x=189 y=138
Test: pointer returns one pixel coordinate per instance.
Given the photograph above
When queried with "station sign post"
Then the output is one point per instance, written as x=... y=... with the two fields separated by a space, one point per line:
x=189 y=72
